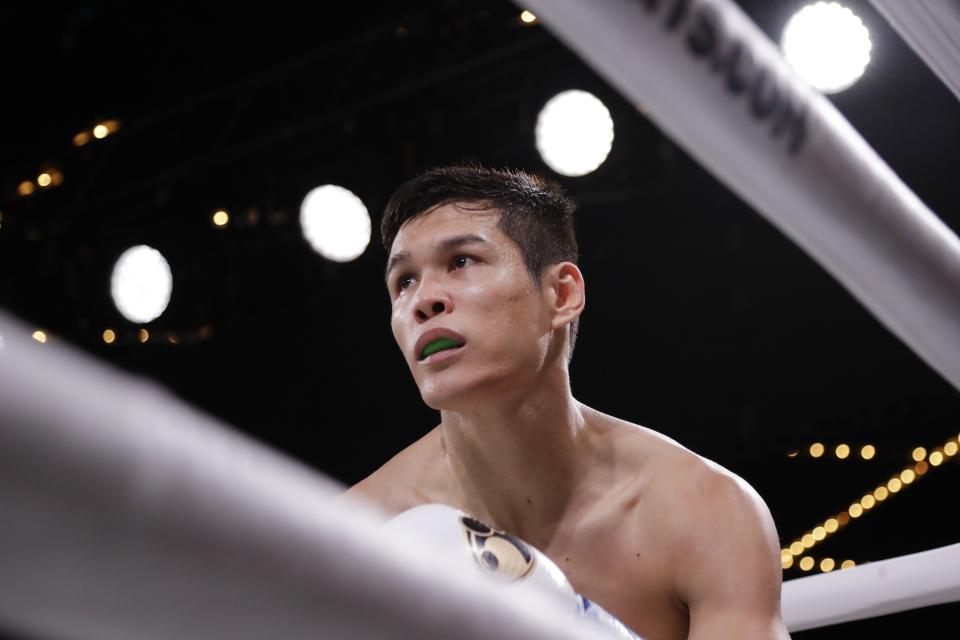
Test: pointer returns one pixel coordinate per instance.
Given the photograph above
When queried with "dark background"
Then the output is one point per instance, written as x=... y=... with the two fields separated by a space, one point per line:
x=704 y=322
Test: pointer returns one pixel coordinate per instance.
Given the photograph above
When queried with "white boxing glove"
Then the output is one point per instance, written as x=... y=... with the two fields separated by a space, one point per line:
x=505 y=558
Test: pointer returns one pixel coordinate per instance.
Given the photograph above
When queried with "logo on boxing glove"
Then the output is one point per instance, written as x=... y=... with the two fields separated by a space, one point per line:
x=498 y=553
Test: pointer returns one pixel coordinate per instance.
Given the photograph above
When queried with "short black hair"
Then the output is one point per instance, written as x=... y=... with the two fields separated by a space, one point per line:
x=535 y=213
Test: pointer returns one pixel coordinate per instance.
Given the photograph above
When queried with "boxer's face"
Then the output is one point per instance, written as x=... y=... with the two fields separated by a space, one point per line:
x=454 y=271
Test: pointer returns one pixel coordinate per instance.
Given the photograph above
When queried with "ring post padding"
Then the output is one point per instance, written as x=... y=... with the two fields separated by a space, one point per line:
x=715 y=83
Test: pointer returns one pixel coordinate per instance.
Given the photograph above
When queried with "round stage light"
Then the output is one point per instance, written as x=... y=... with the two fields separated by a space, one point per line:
x=141 y=284
x=574 y=133
x=827 y=45
x=335 y=222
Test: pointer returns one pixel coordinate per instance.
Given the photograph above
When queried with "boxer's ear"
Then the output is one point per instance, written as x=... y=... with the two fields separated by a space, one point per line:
x=566 y=292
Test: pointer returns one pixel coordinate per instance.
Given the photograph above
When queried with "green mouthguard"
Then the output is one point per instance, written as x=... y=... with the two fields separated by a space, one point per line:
x=438 y=345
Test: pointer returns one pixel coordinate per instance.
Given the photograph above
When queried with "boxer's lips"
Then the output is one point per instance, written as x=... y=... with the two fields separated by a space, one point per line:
x=440 y=344
x=435 y=340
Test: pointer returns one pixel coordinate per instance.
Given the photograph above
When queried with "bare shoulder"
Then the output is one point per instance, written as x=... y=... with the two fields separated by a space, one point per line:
x=706 y=522
x=407 y=479
x=682 y=486
x=717 y=539
x=712 y=541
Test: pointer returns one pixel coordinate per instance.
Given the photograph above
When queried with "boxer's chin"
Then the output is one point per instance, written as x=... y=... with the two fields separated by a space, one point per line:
x=454 y=391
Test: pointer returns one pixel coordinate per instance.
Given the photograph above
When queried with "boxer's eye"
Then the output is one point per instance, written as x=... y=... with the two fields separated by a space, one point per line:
x=459 y=262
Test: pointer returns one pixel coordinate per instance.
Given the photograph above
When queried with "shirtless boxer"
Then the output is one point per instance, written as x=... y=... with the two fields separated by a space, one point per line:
x=486 y=298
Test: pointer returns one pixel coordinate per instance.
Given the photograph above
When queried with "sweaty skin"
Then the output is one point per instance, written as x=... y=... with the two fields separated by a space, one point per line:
x=670 y=543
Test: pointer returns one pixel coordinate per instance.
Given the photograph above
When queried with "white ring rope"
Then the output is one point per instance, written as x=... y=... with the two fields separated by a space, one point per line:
x=932 y=29
x=878 y=588
x=126 y=514
x=717 y=85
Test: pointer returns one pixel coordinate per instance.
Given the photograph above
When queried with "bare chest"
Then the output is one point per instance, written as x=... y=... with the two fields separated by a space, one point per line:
x=613 y=567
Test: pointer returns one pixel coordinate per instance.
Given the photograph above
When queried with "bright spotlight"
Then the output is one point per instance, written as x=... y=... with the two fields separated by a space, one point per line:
x=574 y=133
x=141 y=284
x=335 y=222
x=827 y=45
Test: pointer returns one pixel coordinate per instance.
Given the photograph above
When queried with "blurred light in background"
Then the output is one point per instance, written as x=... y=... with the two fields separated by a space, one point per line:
x=919 y=454
x=827 y=45
x=842 y=451
x=574 y=133
x=109 y=336
x=868 y=452
x=816 y=450
x=143 y=335
x=335 y=222
x=527 y=17
x=141 y=284
x=39 y=336
x=221 y=218
x=25 y=188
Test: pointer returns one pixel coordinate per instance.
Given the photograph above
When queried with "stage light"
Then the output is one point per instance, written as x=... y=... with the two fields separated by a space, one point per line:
x=827 y=45
x=335 y=222
x=141 y=284
x=574 y=133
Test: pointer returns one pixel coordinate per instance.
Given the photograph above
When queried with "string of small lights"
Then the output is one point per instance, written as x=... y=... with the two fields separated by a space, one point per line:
x=143 y=336
x=922 y=461
x=841 y=451
x=807 y=563
x=51 y=176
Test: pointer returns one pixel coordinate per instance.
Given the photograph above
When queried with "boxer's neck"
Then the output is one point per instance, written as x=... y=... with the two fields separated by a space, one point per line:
x=521 y=463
